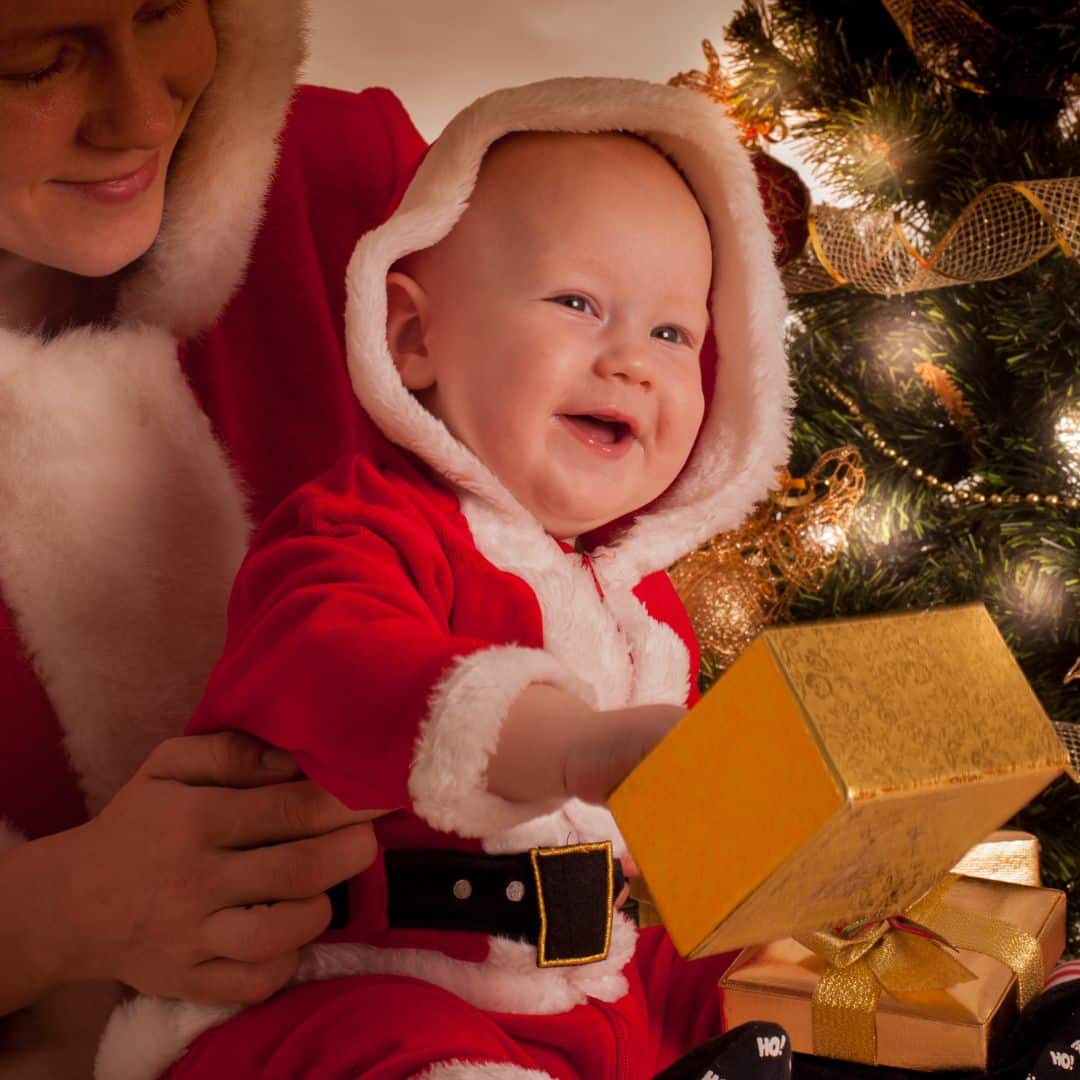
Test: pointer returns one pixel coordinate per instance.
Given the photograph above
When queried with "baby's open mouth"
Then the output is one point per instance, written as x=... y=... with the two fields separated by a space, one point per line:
x=599 y=431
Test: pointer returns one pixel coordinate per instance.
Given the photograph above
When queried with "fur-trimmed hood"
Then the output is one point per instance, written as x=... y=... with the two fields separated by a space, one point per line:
x=221 y=169
x=743 y=440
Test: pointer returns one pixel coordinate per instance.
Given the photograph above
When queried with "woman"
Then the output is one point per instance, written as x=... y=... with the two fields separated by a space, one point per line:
x=158 y=395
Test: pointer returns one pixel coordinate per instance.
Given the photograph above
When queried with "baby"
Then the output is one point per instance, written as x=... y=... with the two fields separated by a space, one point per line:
x=472 y=627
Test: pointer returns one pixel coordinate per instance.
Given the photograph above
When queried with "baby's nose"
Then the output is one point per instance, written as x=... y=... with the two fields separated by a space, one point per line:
x=626 y=360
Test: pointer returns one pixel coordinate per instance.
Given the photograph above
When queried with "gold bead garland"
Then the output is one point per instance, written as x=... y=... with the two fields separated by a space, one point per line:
x=940 y=487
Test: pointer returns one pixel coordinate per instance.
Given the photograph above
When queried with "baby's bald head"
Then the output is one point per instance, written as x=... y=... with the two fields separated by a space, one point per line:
x=531 y=183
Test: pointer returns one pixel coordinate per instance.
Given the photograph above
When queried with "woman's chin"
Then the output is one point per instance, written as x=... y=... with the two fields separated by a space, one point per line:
x=102 y=260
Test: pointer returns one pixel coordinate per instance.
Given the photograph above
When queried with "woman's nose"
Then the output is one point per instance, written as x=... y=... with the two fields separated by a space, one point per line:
x=626 y=361
x=132 y=106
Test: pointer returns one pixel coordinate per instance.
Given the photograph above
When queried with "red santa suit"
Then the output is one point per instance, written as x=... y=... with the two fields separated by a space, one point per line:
x=389 y=614
x=135 y=457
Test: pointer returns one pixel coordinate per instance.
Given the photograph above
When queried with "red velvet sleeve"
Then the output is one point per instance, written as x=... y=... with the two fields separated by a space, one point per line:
x=339 y=629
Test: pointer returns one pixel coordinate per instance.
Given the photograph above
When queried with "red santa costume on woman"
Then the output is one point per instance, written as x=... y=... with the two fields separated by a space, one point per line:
x=389 y=614
x=135 y=457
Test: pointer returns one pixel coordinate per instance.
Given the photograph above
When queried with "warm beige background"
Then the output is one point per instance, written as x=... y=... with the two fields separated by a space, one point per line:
x=438 y=55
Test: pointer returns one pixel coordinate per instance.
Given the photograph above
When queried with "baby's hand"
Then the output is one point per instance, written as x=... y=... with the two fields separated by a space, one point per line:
x=608 y=751
x=554 y=746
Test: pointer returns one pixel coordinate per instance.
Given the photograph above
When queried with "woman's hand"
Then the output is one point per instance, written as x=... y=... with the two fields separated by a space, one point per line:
x=200 y=879
x=553 y=745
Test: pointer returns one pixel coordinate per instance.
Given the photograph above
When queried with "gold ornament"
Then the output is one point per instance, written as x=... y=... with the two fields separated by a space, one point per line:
x=1074 y=673
x=763 y=122
x=740 y=581
x=1004 y=229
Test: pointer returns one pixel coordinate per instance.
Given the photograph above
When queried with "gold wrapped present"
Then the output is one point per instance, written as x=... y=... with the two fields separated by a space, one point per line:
x=1005 y=855
x=837 y=766
x=900 y=996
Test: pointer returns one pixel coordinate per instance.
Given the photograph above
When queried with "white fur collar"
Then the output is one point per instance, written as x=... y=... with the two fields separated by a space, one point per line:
x=121 y=532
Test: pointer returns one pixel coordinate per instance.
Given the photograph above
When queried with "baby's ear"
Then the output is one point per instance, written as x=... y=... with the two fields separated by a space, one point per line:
x=406 y=328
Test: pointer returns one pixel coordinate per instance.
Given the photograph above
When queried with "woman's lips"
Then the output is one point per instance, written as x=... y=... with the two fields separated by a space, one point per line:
x=117 y=189
x=611 y=439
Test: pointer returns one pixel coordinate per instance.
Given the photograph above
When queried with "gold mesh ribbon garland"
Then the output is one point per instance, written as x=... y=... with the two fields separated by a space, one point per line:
x=903 y=954
x=740 y=581
x=1004 y=229
x=949 y=39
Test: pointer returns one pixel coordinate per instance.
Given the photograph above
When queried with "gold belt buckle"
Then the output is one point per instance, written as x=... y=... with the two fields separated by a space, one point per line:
x=544 y=864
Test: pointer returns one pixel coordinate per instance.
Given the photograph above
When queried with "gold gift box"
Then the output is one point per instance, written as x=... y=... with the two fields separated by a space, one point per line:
x=951 y=1028
x=837 y=770
x=1005 y=855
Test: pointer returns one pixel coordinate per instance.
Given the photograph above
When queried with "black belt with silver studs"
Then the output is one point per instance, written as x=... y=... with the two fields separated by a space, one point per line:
x=559 y=899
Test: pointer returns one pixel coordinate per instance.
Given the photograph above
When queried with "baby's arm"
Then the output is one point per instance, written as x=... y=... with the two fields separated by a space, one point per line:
x=553 y=745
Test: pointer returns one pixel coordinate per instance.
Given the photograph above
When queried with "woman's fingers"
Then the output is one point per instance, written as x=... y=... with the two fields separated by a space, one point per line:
x=265 y=931
x=274 y=813
x=297 y=870
x=223 y=759
x=233 y=982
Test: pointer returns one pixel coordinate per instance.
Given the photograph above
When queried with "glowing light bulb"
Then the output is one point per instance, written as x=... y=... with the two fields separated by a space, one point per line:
x=1067 y=432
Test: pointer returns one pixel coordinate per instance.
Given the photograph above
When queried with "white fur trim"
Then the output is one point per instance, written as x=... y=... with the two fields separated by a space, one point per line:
x=507 y=981
x=219 y=176
x=448 y=779
x=609 y=644
x=10 y=837
x=121 y=533
x=474 y=1070
x=147 y=1034
x=744 y=438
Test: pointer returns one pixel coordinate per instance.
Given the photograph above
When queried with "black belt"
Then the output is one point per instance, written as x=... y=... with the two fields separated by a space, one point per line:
x=558 y=899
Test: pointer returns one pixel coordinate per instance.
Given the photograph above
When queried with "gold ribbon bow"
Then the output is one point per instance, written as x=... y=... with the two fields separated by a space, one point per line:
x=895 y=955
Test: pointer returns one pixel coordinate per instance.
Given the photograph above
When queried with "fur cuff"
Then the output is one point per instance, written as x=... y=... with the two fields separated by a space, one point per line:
x=474 y=1070
x=448 y=781
x=147 y=1035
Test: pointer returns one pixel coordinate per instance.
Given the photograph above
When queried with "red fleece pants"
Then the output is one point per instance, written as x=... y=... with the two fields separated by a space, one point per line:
x=388 y=1027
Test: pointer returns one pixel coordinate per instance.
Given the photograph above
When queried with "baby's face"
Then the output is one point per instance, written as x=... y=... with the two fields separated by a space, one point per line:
x=558 y=327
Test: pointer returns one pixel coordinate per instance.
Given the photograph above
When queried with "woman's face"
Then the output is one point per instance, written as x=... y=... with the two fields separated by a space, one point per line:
x=94 y=95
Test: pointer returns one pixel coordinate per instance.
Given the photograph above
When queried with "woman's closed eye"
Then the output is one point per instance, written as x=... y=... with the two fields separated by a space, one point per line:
x=42 y=72
x=576 y=302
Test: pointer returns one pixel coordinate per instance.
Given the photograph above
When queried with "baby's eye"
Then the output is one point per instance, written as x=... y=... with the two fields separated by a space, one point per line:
x=670 y=333
x=575 y=301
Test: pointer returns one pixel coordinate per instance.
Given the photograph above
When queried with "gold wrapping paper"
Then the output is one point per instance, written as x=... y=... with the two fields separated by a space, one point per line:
x=1005 y=855
x=836 y=766
x=932 y=1028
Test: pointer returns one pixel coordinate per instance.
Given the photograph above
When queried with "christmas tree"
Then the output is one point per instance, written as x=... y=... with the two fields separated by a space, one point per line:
x=936 y=318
